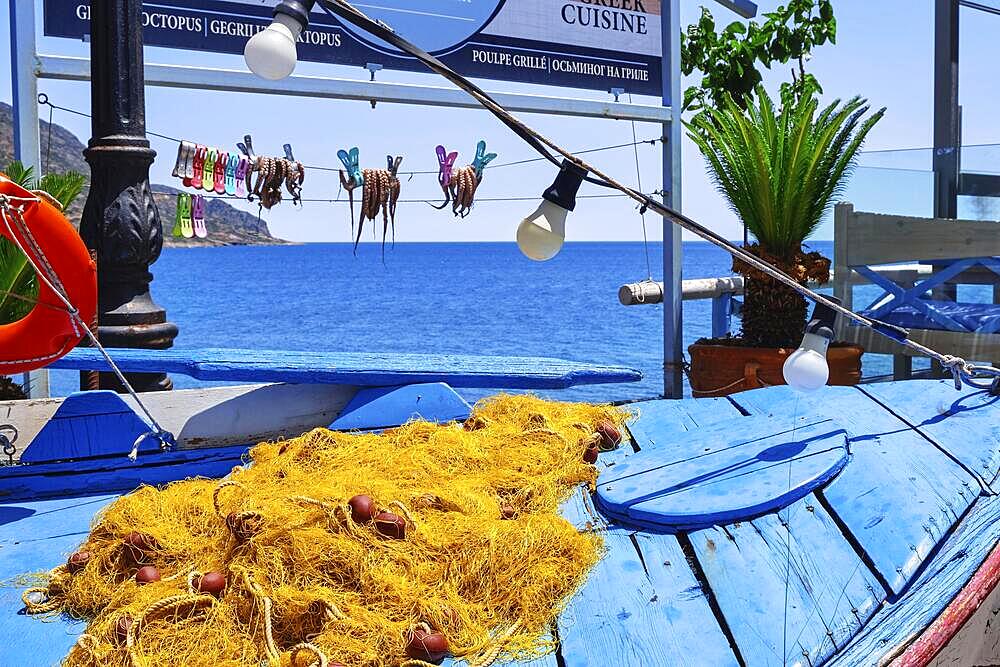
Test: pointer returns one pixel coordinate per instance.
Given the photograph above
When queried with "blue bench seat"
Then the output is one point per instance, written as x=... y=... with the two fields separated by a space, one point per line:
x=974 y=317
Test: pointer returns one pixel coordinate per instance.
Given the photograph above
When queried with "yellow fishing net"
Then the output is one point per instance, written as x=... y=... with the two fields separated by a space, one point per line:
x=473 y=558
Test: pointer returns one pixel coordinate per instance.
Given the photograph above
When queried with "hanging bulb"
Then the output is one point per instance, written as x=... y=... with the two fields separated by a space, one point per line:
x=271 y=53
x=806 y=369
x=540 y=236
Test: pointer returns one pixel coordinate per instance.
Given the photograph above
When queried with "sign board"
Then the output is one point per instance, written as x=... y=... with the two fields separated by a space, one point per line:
x=590 y=44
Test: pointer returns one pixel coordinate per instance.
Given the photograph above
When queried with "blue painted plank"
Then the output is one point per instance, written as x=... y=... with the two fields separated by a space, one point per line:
x=383 y=407
x=899 y=494
x=725 y=473
x=791 y=589
x=896 y=624
x=89 y=424
x=965 y=423
x=117 y=473
x=357 y=369
x=625 y=616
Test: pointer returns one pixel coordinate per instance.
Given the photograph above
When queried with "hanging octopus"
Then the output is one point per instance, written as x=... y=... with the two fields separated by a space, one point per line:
x=380 y=192
x=460 y=186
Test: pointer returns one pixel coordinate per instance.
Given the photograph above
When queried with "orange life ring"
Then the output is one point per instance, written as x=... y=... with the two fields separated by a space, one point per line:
x=48 y=332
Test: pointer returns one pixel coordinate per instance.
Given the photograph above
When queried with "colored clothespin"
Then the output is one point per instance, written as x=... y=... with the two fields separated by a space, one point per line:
x=208 y=181
x=482 y=159
x=197 y=168
x=447 y=164
x=187 y=226
x=230 y=181
x=182 y=201
x=241 y=177
x=184 y=152
x=352 y=162
x=288 y=153
x=246 y=147
x=220 y=173
x=198 y=217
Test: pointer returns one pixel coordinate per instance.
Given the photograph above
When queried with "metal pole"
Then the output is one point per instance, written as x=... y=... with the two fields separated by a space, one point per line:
x=673 y=321
x=946 y=115
x=26 y=145
x=120 y=220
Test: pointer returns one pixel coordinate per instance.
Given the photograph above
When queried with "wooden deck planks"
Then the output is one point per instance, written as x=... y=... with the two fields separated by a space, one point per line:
x=626 y=616
x=898 y=495
x=791 y=588
x=358 y=369
x=964 y=423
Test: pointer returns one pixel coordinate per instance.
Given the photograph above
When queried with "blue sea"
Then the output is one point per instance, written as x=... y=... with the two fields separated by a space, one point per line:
x=438 y=298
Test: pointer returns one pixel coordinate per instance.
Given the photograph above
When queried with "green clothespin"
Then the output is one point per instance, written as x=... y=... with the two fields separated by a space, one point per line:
x=482 y=159
x=187 y=224
x=208 y=179
x=352 y=162
x=178 y=214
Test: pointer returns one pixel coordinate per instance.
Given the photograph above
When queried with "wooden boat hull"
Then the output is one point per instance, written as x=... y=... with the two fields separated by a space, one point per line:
x=874 y=565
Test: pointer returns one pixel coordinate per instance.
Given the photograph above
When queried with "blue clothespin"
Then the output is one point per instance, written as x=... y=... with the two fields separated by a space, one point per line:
x=352 y=162
x=482 y=159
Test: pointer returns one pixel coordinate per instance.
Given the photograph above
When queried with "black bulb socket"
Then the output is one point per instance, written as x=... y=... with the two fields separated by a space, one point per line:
x=823 y=320
x=297 y=9
x=563 y=190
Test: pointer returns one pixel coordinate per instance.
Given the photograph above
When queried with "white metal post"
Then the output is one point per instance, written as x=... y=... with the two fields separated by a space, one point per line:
x=673 y=313
x=24 y=82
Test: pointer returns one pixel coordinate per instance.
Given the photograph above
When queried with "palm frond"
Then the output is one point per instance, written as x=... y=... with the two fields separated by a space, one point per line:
x=780 y=168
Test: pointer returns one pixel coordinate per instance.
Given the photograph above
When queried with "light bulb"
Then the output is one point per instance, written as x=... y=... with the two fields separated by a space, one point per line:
x=540 y=236
x=271 y=53
x=806 y=368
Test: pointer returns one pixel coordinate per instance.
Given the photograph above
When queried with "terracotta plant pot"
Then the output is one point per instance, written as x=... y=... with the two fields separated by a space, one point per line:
x=720 y=370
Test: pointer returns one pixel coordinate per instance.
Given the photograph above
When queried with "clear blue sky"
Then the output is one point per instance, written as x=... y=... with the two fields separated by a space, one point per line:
x=884 y=52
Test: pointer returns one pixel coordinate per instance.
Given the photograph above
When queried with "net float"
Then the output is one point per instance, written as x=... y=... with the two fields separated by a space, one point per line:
x=362 y=508
x=391 y=525
x=473 y=424
x=137 y=547
x=508 y=511
x=424 y=645
x=590 y=455
x=122 y=627
x=211 y=583
x=611 y=436
x=147 y=575
x=77 y=561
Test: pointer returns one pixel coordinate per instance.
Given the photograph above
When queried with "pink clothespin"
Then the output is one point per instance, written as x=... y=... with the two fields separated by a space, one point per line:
x=200 y=152
x=198 y=215
x=447 y=163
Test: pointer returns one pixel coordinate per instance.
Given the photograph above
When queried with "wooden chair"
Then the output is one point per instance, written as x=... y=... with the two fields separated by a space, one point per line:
x=950 y=252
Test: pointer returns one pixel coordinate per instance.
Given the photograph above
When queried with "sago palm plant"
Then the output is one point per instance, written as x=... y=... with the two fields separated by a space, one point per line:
x=781 y=169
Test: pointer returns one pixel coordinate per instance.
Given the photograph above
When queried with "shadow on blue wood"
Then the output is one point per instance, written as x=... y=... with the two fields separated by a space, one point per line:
x=357 y=369
x=88 y=425
x=723 y=474
x=383 y=407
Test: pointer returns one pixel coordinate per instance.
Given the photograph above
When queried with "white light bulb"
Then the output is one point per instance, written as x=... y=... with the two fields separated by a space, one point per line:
x=540 y=236
x=271 y=53
x=806 y=368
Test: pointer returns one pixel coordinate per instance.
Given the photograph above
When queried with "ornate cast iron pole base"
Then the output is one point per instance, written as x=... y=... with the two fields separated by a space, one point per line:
x=120 y=221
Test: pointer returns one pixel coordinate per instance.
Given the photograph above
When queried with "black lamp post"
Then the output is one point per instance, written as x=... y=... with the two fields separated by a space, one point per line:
x=120 y=221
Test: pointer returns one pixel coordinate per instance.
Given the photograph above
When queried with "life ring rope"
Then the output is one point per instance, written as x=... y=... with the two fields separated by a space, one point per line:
x=12 y=209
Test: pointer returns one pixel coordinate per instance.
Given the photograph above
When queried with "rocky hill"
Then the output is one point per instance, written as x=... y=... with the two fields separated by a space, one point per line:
x=226 y=225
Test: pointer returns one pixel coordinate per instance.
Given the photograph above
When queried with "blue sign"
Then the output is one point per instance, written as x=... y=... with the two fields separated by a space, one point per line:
x=589 y=44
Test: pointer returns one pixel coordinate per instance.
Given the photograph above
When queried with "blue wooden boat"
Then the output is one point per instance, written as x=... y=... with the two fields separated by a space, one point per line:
x=852 y=526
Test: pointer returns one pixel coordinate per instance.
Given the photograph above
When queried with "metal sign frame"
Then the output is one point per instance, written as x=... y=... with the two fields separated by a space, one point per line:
x=28 y=67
